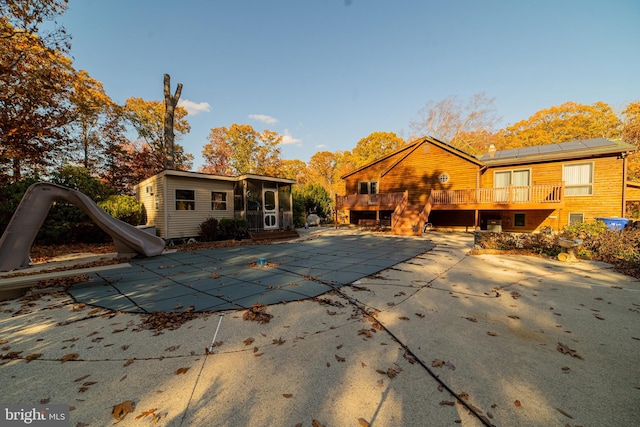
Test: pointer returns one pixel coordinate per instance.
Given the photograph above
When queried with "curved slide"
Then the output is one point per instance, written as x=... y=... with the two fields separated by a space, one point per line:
x=19 y=235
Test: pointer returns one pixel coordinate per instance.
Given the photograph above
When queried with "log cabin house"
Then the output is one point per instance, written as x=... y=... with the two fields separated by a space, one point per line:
x=430 y=183
x=177 y=202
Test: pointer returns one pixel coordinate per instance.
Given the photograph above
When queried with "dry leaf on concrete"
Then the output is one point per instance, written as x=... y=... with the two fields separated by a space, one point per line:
x=565 y=349
x=121 y=410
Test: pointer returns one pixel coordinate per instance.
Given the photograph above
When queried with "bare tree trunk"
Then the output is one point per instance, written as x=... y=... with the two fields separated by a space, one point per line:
x=170 y=103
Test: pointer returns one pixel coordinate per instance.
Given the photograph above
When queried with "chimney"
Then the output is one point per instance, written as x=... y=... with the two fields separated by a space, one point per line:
x=492 y=151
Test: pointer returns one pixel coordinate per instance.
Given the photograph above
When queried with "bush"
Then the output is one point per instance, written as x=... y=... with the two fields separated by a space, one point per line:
x=124 y=208
x=234 y=228
x=208 y=230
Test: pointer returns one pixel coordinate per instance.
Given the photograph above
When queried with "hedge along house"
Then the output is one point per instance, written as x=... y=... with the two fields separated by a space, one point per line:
x=520 y=190
x=177 y=202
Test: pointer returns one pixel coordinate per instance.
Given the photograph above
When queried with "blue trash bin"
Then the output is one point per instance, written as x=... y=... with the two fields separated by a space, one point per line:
x=615 y=223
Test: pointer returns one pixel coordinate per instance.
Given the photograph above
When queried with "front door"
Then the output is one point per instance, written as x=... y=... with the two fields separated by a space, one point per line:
x=270 y=208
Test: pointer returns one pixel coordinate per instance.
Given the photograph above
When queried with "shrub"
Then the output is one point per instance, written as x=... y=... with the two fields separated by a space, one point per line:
x=124 y=208
x=208 y=230
x=234 y=228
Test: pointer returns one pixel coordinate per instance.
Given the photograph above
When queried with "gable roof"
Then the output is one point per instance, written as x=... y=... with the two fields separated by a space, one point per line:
x=405 y=151
x=562 y=151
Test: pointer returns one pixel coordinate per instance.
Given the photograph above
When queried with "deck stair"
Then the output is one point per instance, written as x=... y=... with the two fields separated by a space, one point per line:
x=409 y=220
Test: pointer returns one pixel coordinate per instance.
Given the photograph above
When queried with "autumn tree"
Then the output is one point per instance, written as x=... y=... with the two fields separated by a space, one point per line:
x=321 y=170
x=631 y=134
x=566 y=122
x=147 y=118
x=451 y=119
x=240 y=149
x=374 y=146
x=294 y=169
x=36 y=83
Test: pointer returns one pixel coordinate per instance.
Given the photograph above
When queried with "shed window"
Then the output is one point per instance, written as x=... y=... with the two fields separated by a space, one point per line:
x=218 y=201
x=185 y=200
x=578 y=179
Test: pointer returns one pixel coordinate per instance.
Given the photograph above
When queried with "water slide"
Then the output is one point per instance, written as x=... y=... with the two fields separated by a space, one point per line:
x=19 y=235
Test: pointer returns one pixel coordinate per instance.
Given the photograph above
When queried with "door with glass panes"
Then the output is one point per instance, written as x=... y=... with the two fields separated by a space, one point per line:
x=270 y=208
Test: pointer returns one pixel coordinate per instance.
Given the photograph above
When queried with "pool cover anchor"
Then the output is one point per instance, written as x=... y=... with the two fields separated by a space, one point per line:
x=213 y=341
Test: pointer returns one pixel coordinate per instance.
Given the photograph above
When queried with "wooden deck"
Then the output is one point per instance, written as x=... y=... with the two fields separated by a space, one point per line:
x=548 y=196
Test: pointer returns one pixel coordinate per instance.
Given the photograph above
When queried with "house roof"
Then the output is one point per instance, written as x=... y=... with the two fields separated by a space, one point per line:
x=562 y=151
x=408 y=149
x=201 y=175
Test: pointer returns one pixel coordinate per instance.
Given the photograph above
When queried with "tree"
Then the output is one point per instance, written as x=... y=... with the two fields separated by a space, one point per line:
x=170 y=103
x=21 y=21
x=376 y=145
x=240 y=149
x=450 y=119
x=566 y=122
x=631 y=134
x=147 y=118
x=35 y=89
x=294 y=169
x=321 y=170
x=310 y=198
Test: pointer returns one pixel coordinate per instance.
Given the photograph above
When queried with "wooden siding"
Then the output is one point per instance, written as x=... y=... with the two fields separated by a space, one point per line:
x=152 y=201
x=418 y=173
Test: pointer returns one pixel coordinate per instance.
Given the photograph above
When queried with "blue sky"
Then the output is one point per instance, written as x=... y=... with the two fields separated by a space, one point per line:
x=326 y=73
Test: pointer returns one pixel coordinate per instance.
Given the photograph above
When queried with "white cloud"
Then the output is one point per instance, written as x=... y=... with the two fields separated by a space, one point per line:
x=264 y=118
x=194 y=108
x=321 y=146
x=288 y=139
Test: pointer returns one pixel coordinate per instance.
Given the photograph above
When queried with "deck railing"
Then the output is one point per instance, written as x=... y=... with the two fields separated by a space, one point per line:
x=548 y=193
x=388 y=200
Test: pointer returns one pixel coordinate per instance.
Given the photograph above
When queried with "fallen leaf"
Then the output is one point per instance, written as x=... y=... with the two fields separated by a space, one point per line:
x=121 y=410
x=515 y=295
x=94 y=311
x=338 y=347
x=146 y=413
x=447 y=402
x=419 y=314
x=564 y=413
x=68 y=357
x=258 y=354
x=471 y=319
x=257 y=313
x=363 y=422
x=565 y=349
x=392 y=373
x=409 y=358
x=288 y=395
x=129 y=362
x=115 y=331
x=88 y=383
x=31 y=357
x=124 y=347
x=517 y=403
x=598 y=317
x=316 y=423
x=182 y=371
x=437 y=363
x=403 y=318
x=492 y=334
x=248 y=341
x=513 y=316
x=83 y=389
x=332 y=313
x=81 y=378
x=340 y=359
x=45 y=401
x=172 y=348
x=279 y=341
x=123 y=378
x=366 y=332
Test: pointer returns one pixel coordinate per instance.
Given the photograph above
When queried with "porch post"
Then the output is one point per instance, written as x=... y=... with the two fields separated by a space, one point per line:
x=475 y=221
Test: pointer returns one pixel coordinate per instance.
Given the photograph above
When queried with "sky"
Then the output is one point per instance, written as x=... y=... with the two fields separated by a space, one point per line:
x=326 y=73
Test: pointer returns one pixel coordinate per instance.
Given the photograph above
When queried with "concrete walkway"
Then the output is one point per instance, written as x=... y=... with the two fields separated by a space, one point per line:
x=456 y=340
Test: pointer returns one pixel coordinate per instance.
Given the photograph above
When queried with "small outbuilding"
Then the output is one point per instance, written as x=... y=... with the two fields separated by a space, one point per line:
x=177 y=202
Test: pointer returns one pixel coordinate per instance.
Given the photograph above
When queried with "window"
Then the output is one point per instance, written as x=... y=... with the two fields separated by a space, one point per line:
x=575 y=218
x=578 y=179
x=185 y=200
x=368 y=187
x=520 y=178
x=443 y=178
x=519 y=220
x=218 y=201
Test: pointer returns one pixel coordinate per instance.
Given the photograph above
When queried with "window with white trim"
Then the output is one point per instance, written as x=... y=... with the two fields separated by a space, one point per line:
x=218 y=200
x=185 y=200
x=368 y=187
x=578 y=179
x=575 y=218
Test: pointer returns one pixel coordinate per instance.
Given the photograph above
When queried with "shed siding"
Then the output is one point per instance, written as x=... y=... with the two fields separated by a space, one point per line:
x=184 y=223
